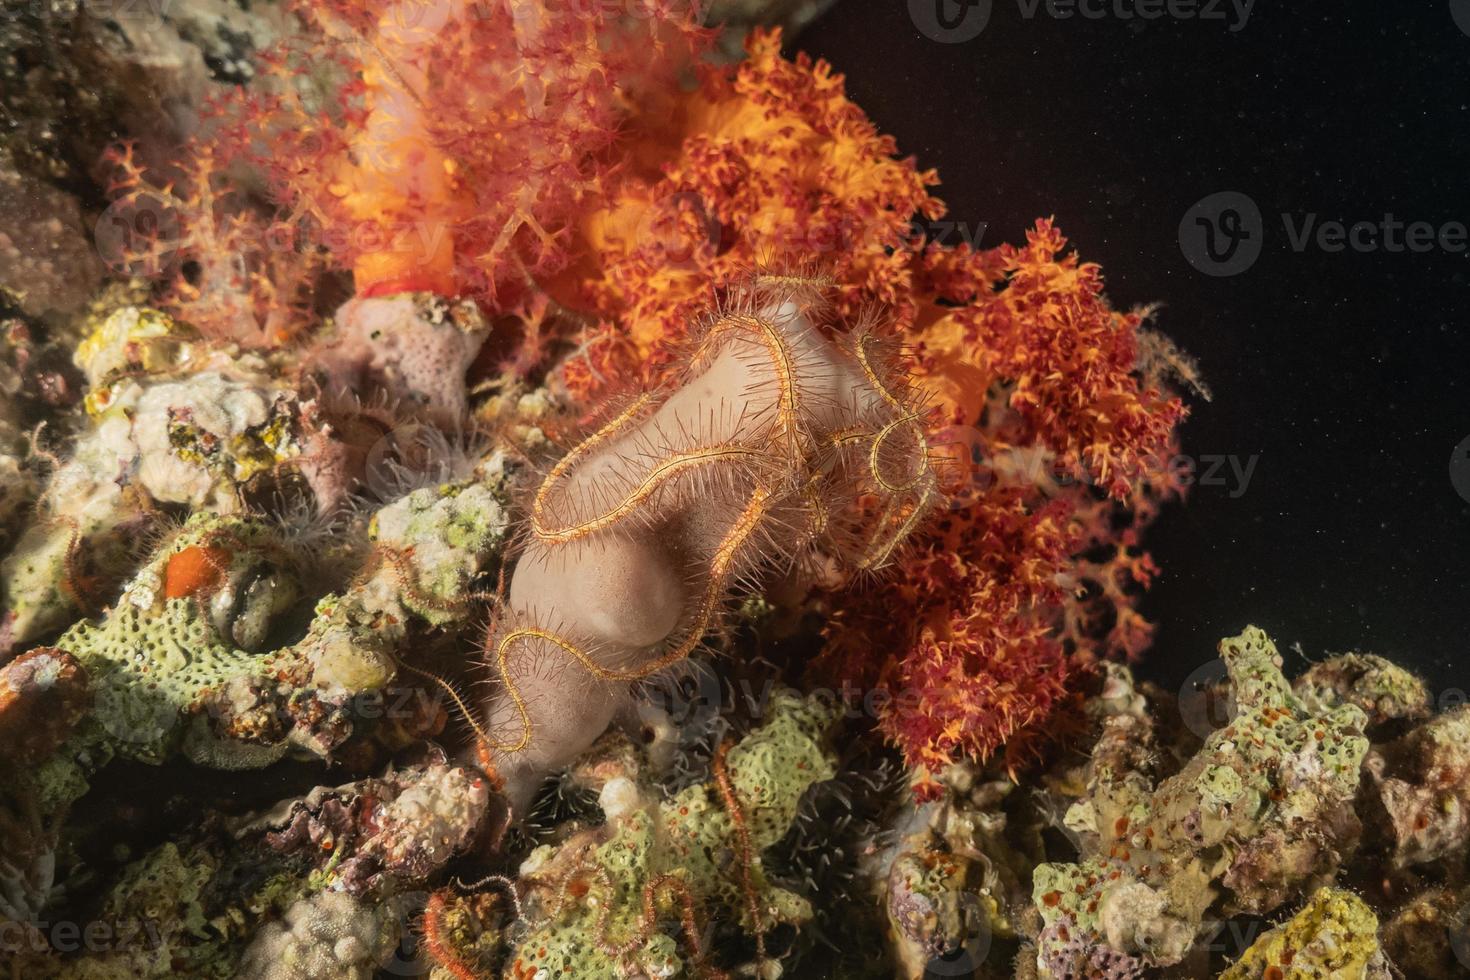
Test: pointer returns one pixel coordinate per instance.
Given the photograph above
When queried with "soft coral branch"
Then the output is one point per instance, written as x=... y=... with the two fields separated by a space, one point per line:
x=217 y=263
x=459 y=138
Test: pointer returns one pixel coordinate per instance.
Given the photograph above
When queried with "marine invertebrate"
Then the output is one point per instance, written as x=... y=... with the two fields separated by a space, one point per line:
x=413 y=349
x=331 y=934
x=475 y=164
x=1057 y=422
x=595 y=902
x=1334 y=935
x=192 y=659
x=755 y=456
x=189 y=645
x=170 y=422
x=1259 y=815
x=375 y=835
x=469 y=133
x=213 y=261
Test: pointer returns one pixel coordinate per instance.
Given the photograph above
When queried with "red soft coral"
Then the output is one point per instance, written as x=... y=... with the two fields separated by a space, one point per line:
x=768 y=162
x=445 y=144
x=1058 y=436
x=214 y=260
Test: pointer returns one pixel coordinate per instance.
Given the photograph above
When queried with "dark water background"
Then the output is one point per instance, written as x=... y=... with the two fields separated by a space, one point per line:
x=1343 y=374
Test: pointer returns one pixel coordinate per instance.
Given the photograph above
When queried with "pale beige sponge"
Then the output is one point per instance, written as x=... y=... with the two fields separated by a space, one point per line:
x=784 y=442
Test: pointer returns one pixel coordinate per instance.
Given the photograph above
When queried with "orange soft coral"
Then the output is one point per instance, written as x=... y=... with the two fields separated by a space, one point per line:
x=1059 y=438
x=214 y=260
x=766 y=163
x=459 y=137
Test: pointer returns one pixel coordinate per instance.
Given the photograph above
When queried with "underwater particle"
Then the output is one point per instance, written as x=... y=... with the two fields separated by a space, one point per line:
x=1333 y=937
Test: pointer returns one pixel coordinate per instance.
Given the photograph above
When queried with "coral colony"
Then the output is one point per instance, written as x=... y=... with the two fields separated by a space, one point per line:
x=506 y=492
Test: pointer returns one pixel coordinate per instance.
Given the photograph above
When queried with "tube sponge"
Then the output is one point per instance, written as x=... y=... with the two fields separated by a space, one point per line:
x=779 y=442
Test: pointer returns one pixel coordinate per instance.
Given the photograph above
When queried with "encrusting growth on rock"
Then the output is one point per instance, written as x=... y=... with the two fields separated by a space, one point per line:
x=1335 y=935
x=1262 y=814
x=596 y=902
x=766 y=451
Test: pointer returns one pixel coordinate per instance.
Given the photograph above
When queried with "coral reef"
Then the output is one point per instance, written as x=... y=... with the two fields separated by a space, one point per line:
x=1261 y=814
x=170 y=423
x=430 y=552
x=1334 y=935
x=594 y=902
x=1060 y=457
x=331 y=879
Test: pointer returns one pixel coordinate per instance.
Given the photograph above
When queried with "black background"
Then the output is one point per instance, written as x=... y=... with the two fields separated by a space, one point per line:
x=1344 y=373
